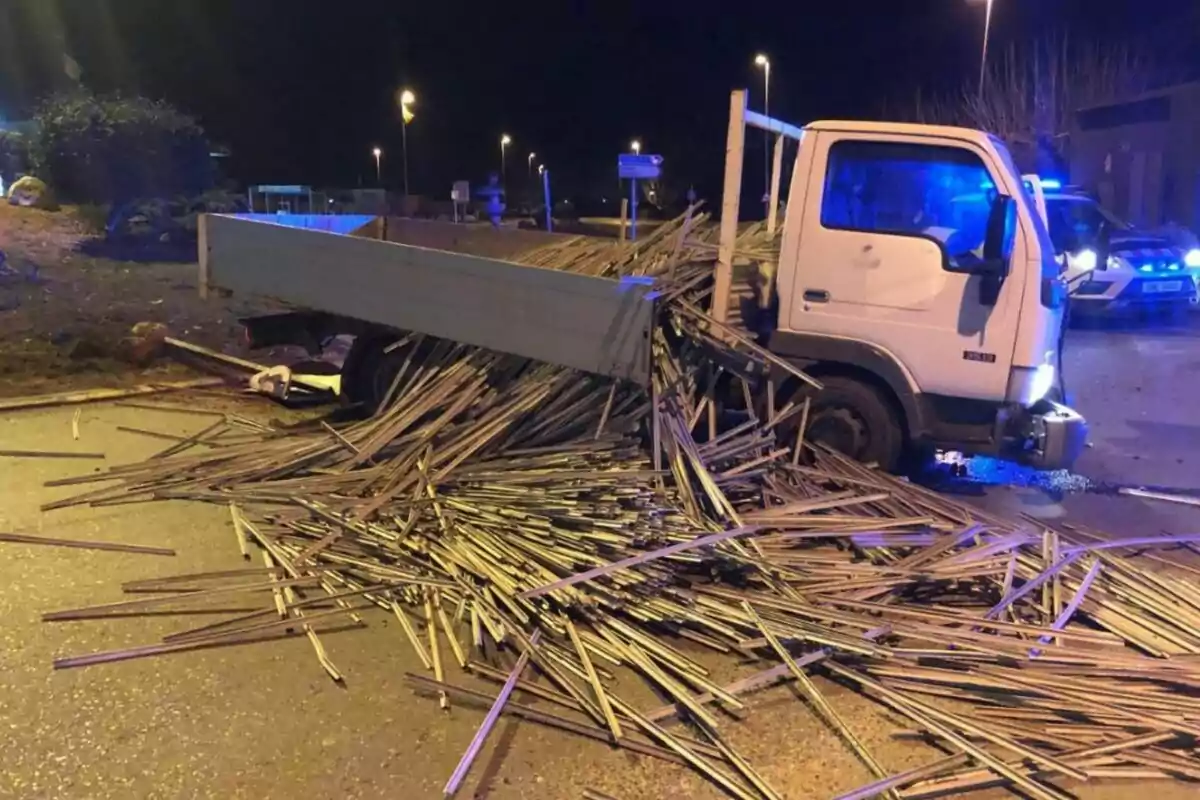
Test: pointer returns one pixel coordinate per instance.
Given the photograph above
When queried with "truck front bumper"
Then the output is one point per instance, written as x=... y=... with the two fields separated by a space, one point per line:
x=1049 y=436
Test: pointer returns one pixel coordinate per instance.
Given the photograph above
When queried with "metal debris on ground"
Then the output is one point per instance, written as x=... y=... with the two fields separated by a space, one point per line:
x=278 y=382
x=49 y=454
x=80 y=544
x=103 y=395
x=501 y=509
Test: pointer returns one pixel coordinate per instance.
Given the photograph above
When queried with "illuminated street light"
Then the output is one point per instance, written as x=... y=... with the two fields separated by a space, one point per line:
x=505 y=141
x=529 y=163
x=635 y=146
x=378 y=175
x=541 y=168
x=407 y=100
x=764 y=63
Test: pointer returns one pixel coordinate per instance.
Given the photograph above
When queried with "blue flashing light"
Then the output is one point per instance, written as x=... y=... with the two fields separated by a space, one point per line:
x=1146 y=268
x=1172 y=267
x=1051 y=183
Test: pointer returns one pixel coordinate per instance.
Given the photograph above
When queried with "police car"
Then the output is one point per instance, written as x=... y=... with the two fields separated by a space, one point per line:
x=1141 y=269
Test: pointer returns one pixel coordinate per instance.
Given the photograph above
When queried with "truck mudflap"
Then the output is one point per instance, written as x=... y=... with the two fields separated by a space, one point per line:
x=1052 y=436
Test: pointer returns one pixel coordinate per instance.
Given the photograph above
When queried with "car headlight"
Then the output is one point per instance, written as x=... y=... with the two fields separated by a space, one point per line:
x=1085 y=260
x=1192 y=258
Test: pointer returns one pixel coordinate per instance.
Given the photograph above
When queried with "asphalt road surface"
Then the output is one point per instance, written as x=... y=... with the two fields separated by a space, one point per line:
x=264 y=721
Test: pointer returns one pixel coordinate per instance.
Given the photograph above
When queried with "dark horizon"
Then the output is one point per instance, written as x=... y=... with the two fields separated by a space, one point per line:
x=301 y=91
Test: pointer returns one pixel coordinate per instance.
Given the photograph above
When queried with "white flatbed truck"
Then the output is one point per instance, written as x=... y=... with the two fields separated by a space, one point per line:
x=930 y=324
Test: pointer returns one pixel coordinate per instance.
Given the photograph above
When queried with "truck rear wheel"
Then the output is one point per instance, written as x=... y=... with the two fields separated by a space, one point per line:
x=368 y=371
x=857 y=420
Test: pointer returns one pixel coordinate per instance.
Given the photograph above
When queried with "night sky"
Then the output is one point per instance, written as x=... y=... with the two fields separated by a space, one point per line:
x=300 y=90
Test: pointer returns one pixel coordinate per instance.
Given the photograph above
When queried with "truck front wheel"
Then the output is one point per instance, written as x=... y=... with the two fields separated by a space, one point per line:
x=857 y=420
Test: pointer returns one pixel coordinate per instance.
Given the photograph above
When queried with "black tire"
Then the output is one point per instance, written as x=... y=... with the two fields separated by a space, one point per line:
x=857 y=420
x=368 y=372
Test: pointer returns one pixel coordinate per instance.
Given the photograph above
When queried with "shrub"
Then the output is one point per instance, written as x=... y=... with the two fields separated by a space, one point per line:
x=95 y=149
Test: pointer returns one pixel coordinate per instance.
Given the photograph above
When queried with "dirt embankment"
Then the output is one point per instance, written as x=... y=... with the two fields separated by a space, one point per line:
x=66 y=313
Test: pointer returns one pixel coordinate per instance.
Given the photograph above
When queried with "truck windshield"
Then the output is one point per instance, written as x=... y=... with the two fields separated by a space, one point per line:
x=1075 y=222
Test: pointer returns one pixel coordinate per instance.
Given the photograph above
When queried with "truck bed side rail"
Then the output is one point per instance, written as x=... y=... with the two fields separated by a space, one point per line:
x=598 y=325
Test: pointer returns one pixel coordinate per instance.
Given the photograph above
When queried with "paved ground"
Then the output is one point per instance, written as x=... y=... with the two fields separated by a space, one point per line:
x=265 y=722
x=1139 y=387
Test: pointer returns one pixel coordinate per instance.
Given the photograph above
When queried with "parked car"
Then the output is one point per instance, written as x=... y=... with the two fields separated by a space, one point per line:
x=1141 y=269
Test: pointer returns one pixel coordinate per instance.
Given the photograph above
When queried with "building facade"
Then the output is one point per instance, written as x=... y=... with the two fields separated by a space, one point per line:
x=1141 y=156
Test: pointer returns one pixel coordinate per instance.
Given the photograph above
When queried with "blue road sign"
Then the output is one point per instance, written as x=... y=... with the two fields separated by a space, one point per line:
x=639 y=167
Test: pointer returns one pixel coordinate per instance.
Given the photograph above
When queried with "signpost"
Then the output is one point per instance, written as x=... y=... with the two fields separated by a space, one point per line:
x=546 y=195
x=460 y=195
x=635 y=167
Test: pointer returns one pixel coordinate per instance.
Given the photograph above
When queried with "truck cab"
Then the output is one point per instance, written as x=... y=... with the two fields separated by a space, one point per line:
x=931 y=322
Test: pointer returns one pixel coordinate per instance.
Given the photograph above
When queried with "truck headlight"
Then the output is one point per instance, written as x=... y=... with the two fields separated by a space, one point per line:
x=1086 y=260
x=1192 y=258
x=1028 y=385
x=1043 y=381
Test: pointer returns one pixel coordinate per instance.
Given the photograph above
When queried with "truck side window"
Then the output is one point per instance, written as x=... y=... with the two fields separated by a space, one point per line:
x=904 y=189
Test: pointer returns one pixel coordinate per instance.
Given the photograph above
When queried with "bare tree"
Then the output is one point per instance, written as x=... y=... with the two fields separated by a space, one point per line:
x=1030 y=93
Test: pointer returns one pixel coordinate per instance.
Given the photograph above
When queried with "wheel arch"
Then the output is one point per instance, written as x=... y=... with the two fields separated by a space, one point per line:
x=828 y=356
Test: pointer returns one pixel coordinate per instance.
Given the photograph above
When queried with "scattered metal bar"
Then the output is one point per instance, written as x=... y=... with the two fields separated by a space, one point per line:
x=50 y=454
x=489 y=721
x=115 y=547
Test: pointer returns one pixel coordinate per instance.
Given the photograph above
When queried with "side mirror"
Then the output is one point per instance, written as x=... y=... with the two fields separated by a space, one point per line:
x=997 y=244
x=997 y=249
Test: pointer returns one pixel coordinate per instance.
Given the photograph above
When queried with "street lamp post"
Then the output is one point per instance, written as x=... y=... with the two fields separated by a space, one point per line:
x=505 y=141
x=987 y=32
x=764 y=63
x=378 y=173
x=407 y=98
x=635 y=146
x=529 y=163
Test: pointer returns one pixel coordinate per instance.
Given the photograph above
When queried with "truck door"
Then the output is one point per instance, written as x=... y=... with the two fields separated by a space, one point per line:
x=885 y=220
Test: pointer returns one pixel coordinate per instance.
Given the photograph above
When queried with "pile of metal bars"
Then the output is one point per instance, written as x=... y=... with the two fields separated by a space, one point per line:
x=592 y=531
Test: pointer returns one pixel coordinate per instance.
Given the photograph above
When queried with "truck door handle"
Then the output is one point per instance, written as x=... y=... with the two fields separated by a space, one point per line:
x=816 y=296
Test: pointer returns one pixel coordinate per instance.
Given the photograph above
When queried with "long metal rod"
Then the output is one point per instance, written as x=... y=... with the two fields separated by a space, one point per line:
x=489 y=721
